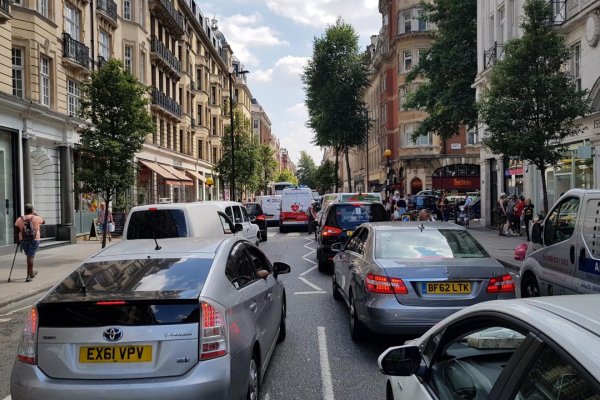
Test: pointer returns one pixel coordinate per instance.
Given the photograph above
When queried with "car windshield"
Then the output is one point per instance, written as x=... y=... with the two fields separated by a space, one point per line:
x=253 y=209
x=428 y=243
x=159 y=224
x=349 y=216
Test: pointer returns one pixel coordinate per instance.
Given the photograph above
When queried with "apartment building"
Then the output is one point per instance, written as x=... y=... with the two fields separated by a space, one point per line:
x=498 y=21
x=50 y=47
x=261 y=124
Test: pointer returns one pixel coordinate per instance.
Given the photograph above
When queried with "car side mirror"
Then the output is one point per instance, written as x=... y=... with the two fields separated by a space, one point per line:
x=281 y=268
x=337 y=247
x=536 y=233
x=400 y=360
x=252 y=219
x=239 y=227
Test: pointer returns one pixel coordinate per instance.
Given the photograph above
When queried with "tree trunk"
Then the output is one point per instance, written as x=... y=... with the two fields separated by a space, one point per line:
x=337 y=166
x=348 y=172
x=107 y=199
x=544 y=187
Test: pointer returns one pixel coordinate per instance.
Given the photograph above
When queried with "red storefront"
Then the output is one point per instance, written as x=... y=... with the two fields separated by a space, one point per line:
x=457 y=178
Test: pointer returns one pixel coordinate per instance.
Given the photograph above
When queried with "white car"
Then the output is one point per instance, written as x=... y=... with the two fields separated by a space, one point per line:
x=524 y=349
x=238 y=215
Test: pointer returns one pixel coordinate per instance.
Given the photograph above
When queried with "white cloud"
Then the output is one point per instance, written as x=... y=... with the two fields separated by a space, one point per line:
x=297 y=136
x=287 y=70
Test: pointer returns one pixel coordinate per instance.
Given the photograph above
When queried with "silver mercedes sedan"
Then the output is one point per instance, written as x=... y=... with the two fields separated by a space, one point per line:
x=181 y=318
x=403 y=278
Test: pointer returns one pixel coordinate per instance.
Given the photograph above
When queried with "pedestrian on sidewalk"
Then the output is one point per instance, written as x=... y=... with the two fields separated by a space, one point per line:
x=528 y=216
x=102 y=213
x=500 y=212
x=510 y=215
x=519 y=214
x=29 y=237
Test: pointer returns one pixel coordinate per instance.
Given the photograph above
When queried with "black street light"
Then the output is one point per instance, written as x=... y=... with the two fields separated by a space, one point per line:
x=387 y=153
x=232 y=179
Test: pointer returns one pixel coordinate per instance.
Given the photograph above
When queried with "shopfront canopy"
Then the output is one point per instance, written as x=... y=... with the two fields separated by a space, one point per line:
x=195 y=175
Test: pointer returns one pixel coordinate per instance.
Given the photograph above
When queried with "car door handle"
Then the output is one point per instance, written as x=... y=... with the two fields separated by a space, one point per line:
x=270 y=296
x=572 y=254
x=253 y=306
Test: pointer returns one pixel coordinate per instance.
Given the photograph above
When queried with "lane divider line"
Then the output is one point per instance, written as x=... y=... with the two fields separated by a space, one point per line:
x=312 y=285
x=313 y=292
x=308 y=270
x=325 y=367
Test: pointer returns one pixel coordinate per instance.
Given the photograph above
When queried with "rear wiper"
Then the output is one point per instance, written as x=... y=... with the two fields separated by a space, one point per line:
x=82 y=282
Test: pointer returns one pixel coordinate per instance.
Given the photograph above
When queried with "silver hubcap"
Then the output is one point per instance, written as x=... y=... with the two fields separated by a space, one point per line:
x=253 y=381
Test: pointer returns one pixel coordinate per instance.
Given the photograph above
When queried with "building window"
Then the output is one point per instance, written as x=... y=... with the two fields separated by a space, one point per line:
x=255 y=123
x=213 y=95
x=472 y=136
x=214 y=126
x=214 y=155
x=73 y=97
x=42 y=7
x=104 y=42
x=142 y=67
x=17 y=72
x=402 y=97
x=407 y=60
x=407 y=17
x=72 y=21
x=141 y=15
x=422 y=54
x=127 y=10
x=127 y=58
x=576 y=65
x=45 y=81
x=201 y=149
x=422 y=22
x=420 y=141
x=383 y=113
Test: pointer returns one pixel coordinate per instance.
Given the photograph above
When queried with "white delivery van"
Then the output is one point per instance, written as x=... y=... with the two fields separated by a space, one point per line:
x=294 y=208
x=270 y=206
x=563 y=256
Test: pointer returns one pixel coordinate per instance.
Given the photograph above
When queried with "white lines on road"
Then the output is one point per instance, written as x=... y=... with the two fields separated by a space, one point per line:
x=5 y=320
x=308 y=270
x=14 y=311
x=293 y=234
x=313 y=292
x=325 y=367
x=312 y=285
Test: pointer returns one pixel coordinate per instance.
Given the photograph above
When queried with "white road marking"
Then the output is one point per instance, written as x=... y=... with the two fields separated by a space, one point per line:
x=313 y=292
x=7 y=398
x=325 y=367
x=293 y=234
x=14 y=311
x=271 y=234
x=5 y=319
x=308 y=270
x=312 y=285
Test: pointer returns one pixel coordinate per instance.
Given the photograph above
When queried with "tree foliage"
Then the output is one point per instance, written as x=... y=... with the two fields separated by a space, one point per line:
x=335 y=79
x=531 y=104
x=267 y=165
x=325 y=177
x=114 y=104
x=449 y=67
x=285 y=175
x=307 y=170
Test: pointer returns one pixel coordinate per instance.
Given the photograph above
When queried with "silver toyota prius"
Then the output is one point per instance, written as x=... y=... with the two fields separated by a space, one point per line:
x=404 y=277
x=183 y=318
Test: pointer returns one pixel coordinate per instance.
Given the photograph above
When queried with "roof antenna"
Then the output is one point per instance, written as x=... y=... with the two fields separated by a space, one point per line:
x=421 y=227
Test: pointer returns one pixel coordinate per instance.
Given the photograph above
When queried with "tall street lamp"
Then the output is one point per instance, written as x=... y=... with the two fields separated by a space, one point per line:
x=367 y=152
x=232 y=179
x=387 y=153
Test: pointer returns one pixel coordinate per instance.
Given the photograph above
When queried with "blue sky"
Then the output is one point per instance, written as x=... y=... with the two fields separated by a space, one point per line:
x=273 y=40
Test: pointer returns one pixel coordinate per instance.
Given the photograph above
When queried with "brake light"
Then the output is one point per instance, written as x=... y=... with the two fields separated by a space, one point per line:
x=28 y=345
x=261 y=217
x=111 y=303
x=501 y=284
x=385 y=285
x=331 y=231
x=213 y=336
x=152 y=209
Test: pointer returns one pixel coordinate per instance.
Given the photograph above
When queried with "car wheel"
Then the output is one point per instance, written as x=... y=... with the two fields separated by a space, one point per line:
x=282 y=328
x=265 y=236
x=357 y=330
x=253 y=379
x=281 y=229
x=389 y=394
x=335 y=289
x=530 y=287
x=323 y=264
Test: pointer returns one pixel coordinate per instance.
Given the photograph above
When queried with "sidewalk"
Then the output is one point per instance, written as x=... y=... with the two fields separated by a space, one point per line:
x=52 y=265
x=501 y=248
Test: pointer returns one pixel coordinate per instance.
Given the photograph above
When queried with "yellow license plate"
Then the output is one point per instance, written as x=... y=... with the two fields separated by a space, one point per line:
x=112 y=354
x=447 y=287
x=349 y=233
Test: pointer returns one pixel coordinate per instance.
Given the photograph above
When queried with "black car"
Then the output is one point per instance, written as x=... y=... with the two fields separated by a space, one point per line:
x=257 y=216
x=339 y=221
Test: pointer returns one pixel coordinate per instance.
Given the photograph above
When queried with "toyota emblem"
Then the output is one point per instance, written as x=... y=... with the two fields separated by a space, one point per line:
x=113 y=334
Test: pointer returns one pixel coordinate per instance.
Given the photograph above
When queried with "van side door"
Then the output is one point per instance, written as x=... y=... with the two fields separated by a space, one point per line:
x=587 y=275
x=558 y=257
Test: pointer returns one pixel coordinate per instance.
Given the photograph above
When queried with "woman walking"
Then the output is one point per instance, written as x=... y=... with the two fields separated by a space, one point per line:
x=527 y=216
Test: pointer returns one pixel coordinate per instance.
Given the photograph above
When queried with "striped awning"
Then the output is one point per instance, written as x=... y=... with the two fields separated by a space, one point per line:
x=196 y=175
x=169 y=178
x=185 y=180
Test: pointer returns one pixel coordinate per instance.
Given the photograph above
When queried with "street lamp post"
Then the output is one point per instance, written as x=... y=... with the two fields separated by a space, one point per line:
x=367 y=152
x=232 y=179
x=387 y=153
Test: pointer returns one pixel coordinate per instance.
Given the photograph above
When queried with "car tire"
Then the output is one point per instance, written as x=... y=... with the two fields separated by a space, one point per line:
x=282 y=326
x=530 y=287
x=265 y=237
x=282 y=229
x=357 y=329
x=323 y=264
x=253 y=379
x=335 y=289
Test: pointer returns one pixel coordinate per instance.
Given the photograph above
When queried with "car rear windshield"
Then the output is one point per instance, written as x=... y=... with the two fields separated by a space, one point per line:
x=349 y=216
x=253 y=209
x=429 y=243
x=159 y=224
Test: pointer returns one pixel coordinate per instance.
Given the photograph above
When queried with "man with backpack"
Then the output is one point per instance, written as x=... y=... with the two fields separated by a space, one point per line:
x=29 y=237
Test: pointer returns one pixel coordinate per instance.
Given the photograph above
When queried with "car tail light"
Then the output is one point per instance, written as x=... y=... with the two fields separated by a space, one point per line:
x=501 y=284
x=28 y=344
x=213 y=335
x=385 y=285
x=261 y=217
x=331 y=231
x=111 y=303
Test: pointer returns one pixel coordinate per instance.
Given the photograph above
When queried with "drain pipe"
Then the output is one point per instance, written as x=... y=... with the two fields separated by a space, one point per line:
x=92 y=44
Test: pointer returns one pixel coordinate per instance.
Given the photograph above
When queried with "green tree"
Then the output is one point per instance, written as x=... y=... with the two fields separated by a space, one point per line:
x=306 y=170
x=335 y=79
x=267 y=165
x=246 y=155
x=531 y=104
x=285 y=175
x=449 y=67
x=326 y=176
x=114 y=104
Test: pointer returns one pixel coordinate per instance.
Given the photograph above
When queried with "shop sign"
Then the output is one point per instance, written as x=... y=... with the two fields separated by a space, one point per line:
x=177 y=163
x=455 y=182
x=584 y=152
x=455 y=146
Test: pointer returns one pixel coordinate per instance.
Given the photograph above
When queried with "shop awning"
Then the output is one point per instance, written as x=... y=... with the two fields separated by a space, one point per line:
x=196 y=175
x=178 y=174
x=170 y=179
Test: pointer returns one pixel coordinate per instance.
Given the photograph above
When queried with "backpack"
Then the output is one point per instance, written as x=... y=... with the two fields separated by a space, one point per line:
x=28 y=231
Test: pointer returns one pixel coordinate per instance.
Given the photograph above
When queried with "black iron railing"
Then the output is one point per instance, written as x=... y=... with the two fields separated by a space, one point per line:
x=101 y=61
x=558 y=11
x=174 y=14
x=493 y=54
x=76 y=51
x=109 y=7
x=5 y=5
x=193 y=123
x=165 y=54
x=165 y=102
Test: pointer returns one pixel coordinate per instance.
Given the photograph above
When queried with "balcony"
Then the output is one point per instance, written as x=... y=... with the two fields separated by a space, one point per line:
x=558 y=12
x=75 y=54
x=5 y=10
x=170 y=17
x=493 y=54
x=107 y=9
x=101 y=61
x=192 y=88
x=160 y=53
x=165 y=103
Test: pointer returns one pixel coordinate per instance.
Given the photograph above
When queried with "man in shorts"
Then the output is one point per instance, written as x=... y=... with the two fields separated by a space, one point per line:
x=29 y=237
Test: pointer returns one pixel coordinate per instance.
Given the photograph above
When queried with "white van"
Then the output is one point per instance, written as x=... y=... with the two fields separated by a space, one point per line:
x=564 y=254
x=294 y=208
x=270 y=205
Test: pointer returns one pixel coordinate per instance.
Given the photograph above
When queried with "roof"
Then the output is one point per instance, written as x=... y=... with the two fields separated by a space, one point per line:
x=410 y=225
x=169 y=248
